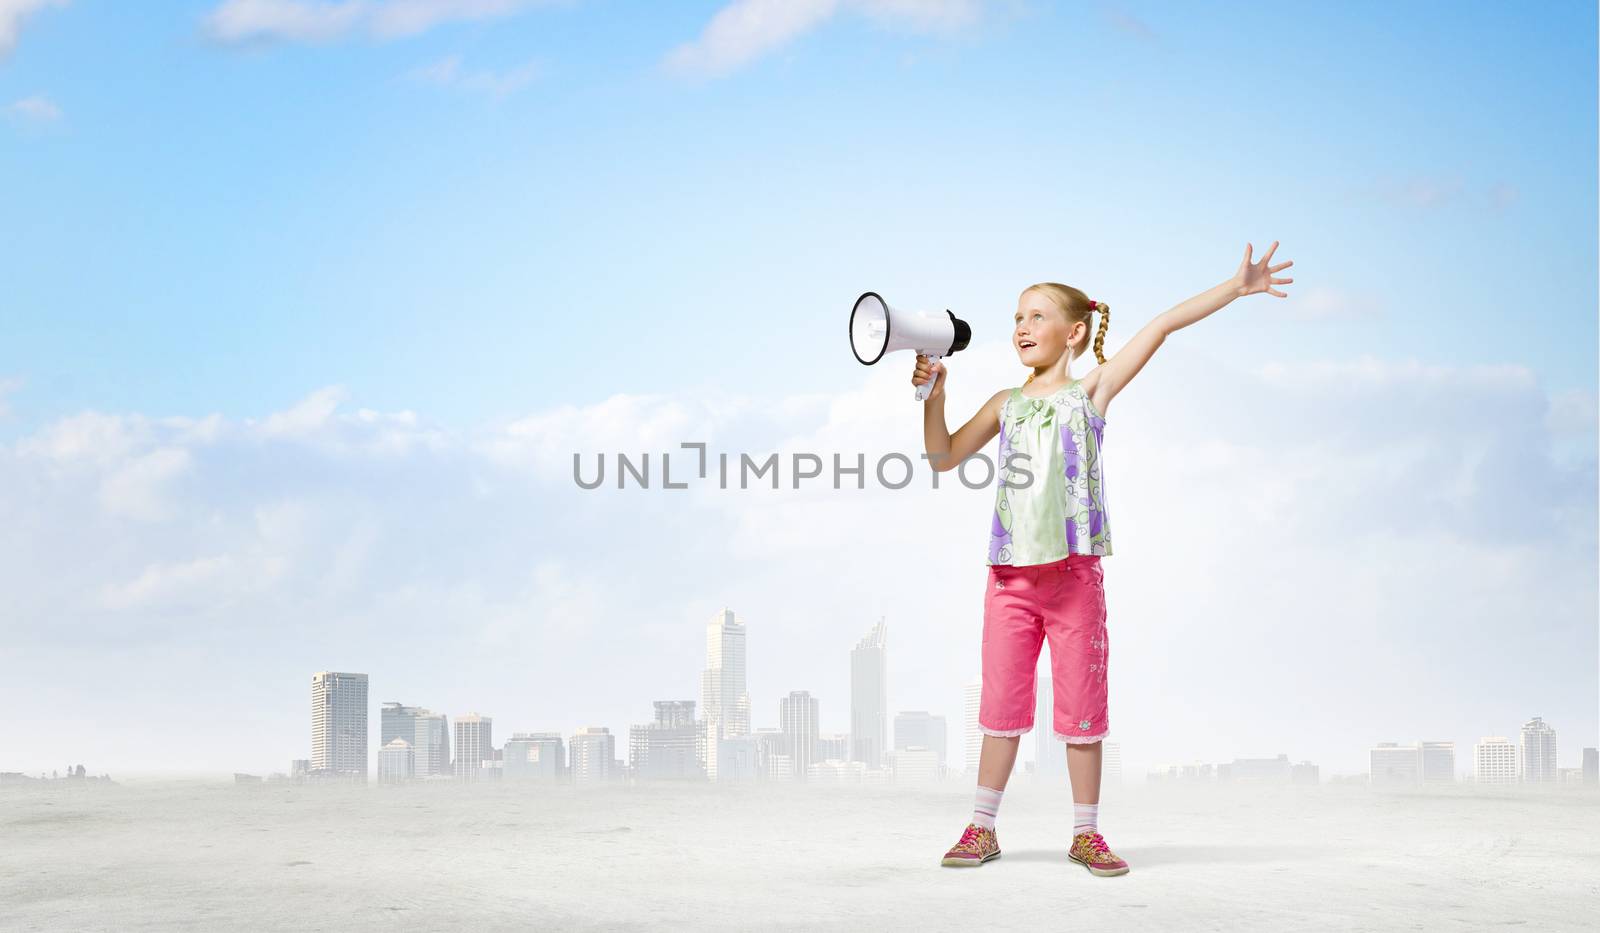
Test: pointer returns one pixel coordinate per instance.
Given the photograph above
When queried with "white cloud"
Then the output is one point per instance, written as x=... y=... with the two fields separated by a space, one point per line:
x=328 y=20
x=744 y=30
x=447 y=72
x=12 y=13
x=1287 y=531
x=139 y=488
x=38 y=109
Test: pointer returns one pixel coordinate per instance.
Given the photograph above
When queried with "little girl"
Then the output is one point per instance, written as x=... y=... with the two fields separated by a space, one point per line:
x=1049 y=532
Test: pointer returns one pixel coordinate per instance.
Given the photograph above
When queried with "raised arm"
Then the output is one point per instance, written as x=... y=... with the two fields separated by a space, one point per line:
x=1251 y=278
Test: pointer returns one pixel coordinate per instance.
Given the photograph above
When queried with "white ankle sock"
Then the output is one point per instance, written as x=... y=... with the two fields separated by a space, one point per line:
x=1084 y=816
x=988 y=804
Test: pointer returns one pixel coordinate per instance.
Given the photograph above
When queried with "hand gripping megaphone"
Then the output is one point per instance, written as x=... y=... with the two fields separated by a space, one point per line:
x=877 y=328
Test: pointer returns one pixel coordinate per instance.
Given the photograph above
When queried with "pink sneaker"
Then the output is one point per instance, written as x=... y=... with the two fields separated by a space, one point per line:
x=1090 y=851
x=978 y=845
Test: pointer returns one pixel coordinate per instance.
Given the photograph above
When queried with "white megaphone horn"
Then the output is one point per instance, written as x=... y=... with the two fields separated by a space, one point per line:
x=877 y=328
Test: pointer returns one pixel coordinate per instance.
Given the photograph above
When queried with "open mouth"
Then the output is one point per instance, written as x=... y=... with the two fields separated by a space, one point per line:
x=1025 y=345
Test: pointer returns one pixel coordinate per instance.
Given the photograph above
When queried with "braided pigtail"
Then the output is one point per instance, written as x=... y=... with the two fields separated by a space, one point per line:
x=1100 y=335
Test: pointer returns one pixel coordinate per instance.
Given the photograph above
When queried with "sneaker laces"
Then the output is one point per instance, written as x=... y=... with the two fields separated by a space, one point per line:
x=1098 y=843
x=969 y=836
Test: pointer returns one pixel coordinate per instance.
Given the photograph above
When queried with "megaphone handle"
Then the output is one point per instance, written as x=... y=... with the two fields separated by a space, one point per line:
x=926 y=387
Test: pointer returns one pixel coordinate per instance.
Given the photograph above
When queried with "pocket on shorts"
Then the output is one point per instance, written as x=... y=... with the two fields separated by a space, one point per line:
x=1086 y=572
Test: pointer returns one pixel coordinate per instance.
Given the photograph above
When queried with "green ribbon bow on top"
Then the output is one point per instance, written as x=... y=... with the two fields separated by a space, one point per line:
x=1037 y=410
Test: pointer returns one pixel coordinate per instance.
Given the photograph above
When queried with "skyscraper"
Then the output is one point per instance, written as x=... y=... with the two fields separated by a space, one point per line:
x=593 y=752
x=1438 y=762
x=534 y=756
x=474 y=743
x=1591 y=766
x=1049 y=757
x=869 y=698
x=1392 y=763
x=1538 y=751
x=665 y=749
x=723 y=696
x=339 y=723
x=427 y=732
x=797 y=717
x=1496 y=760
x=973 y=733
x=396 y=762
x=920 y=729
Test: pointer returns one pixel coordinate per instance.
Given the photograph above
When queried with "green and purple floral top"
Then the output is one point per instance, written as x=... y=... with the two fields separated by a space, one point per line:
x=1061 y=509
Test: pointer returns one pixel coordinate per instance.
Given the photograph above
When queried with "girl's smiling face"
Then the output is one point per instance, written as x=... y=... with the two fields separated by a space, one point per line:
x=1041 y=331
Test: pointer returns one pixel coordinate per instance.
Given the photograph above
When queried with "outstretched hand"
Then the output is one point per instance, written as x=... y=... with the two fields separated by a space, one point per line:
x=1257 y=277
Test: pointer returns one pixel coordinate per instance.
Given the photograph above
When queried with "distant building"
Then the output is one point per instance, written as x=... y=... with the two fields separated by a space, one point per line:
x=739 y=758
x=1496 y=760
x=427 y=732
x=1538 y=751
x=921 y=729
x=535 y=756
x=397 y=762
x=1049 y=754
x=724 y=700
x=1260 y=770
x=474 y=744
x=797 y=717
x=833 y=745
x=834 y=771
x=1395 y=764
x=915 y=765
x=773 y=760
x=972 y=733
x=1304 y=773
x=1591 y=766
x=593 y=753
x=1438 y=762
x=299 y=768
x=339 y=723
x=665 y=749
x=1198 y=772
x=869 y=698
x=1110 y=762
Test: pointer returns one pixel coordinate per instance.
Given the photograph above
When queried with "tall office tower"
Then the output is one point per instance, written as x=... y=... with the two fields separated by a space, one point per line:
x=1591 y=766
x=339 y=723
x=1438 y=762
x=920 y=729
x=797 y=717
x=1496 y=760
x=1392 y=763
x=772 y=759
x=474 y=743
x=1049 y=755
x=1110 y=761
x=396 y=762
x=665 y=749
x=869 y=697
x=427 y=732
x=1538 y=751
x=534 y=756
x=972 y=693
x=723 y=696
x=593 y=751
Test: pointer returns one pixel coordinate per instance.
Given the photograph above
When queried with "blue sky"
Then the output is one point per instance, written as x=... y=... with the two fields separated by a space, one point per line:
x=213 y=226
x=303 y=311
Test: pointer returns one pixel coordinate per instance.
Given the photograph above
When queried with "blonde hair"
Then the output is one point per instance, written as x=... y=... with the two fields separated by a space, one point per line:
x=1075 y=306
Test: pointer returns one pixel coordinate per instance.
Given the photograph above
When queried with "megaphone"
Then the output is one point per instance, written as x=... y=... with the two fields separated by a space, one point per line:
x=877 y=328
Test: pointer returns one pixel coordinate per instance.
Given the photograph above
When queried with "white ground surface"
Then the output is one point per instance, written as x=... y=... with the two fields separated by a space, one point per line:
x=217 y=856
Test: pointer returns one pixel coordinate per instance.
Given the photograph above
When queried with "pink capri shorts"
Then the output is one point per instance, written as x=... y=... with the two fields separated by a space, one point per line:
x=1066 y=603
